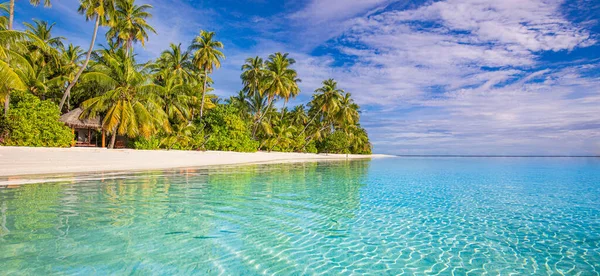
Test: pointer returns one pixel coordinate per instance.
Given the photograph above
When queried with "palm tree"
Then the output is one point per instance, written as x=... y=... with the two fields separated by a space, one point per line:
x=347 y=114
x=197 y=83
x=37 y=78
x=174 y=62
x=11 y=15
x=280 y=79
x=240 y=102
x=358 y=139
x=298 y=116
x=253 y=75
x=5 y=70
x=283 y=136
x=43 y=31
x=4 y=18
x=326 y=100
x=290 y=93
x=258 y=107
x=70 y=60
x=285 y=114
x=99 y=11
x=182 y=134
x=43 y=57
x=264 y=128
x=174 y=98
x=129 y=105
x=319 y=130
x=11 y=9
x=16 y=61
x=207 y=57
x=128 y=24
x=10 y=76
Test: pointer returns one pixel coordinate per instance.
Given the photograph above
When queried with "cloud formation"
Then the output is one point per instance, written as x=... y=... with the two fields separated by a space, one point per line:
x=319 y=11
x=433 y=77
x=466 y=77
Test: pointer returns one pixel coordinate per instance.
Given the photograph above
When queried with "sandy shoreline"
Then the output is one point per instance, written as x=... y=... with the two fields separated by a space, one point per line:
x=17 y=163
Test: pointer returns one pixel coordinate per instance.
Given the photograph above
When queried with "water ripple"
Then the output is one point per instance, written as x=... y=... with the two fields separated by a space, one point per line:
x=384 y=217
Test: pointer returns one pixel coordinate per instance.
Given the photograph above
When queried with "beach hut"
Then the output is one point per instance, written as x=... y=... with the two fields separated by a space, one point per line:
x=84 y=130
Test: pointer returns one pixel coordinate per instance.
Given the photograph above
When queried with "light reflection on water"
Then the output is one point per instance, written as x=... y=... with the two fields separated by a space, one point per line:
x=388 y=216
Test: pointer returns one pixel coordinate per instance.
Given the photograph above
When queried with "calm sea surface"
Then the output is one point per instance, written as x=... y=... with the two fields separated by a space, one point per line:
x=386 y=216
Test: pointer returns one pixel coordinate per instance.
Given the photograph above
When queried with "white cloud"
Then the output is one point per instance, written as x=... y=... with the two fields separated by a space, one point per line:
x=320 y=11
x=454 y=76
x=463 y=65
x=552 y=113
x=530 y=24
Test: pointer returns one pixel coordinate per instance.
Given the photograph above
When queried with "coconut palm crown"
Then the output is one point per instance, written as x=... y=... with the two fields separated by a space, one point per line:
x=128 y=24
x=207 y=57
x=128 y=106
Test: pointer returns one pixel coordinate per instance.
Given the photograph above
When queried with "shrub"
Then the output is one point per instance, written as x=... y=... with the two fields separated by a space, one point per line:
x=152 y=143
x=337 y=142
x=35 y=123
x=311 y=147
x=227 y=131
x=177 y=141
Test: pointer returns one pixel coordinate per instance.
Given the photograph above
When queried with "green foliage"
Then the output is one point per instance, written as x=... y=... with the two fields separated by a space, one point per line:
x=311 y=147
x=35 y=123
x=128 y=104
x=4 y=129
x=337 y=142
x=128 y=24
x=183 y=138
x=151 y=143
x=360 y=141
x=354 y=140
x=165 y=103
x=227 y=131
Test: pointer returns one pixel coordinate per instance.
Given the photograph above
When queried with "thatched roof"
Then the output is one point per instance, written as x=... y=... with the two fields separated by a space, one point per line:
x=72 y=119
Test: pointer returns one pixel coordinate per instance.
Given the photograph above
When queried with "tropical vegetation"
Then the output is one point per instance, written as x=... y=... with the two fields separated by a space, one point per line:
x=164 y=103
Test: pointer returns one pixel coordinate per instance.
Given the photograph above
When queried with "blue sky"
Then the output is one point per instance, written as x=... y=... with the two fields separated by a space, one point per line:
x=433 y=77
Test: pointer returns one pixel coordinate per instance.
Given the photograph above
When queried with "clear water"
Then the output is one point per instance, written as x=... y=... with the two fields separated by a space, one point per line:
x=389 y=216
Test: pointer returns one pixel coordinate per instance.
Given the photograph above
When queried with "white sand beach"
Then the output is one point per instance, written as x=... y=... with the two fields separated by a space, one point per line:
x=23 y=161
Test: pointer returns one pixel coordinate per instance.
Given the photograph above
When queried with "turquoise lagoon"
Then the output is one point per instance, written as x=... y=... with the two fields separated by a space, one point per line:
x=386 y=216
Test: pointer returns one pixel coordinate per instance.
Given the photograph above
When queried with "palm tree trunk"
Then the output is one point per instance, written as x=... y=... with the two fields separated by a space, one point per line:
x=255 y=128
x=311 y=120
x=6 y=103
x=283 y=108
x=85 y=63
x=11 y=16
x=113 y=139
x=309 y=139
x=261 y=116
x=203 y=94
x=127 y=46
x=274 y=144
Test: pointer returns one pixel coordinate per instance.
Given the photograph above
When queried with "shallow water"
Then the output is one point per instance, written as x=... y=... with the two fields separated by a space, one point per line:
x=386 y=216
